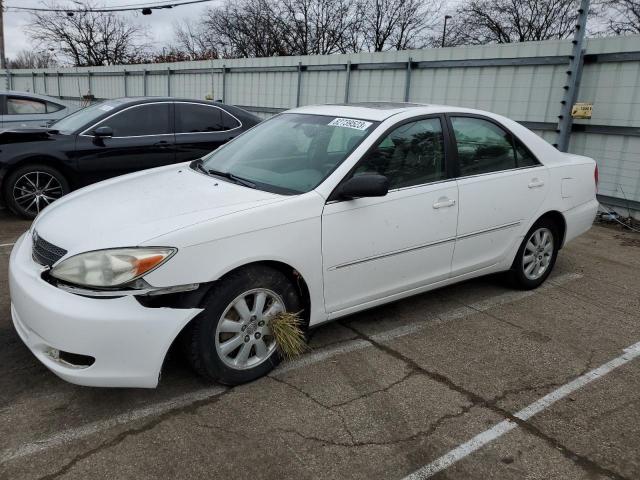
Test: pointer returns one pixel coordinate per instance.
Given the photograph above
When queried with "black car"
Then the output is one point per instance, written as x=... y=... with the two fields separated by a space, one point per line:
x=114 y=137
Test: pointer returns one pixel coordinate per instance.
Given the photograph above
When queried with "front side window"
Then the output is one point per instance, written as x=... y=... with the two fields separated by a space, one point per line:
x=290 y=153
x=412 y=154
x=194 y=118
x=25 y=106
x=483 y=146
x=141 y=120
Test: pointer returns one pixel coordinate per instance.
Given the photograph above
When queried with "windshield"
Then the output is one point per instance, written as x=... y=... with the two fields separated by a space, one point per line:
x=82 y=118
x=290 y=153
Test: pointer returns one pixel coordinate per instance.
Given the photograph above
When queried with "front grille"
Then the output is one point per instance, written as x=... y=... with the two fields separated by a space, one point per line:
x=46 y=253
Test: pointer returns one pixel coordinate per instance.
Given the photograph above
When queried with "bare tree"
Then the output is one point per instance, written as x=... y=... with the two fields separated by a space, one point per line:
x=507 y=21
x=319 y=27
x=31 y=59
x=89 y=38
x=196 y=41
x=622 y=16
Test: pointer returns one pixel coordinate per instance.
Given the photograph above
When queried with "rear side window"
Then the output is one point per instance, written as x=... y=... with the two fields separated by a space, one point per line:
x=195 y=118
x=141 y=120
x=524 y=158
x=483 y=146
x=53 y=107
x=412 y=154
x=25 y=106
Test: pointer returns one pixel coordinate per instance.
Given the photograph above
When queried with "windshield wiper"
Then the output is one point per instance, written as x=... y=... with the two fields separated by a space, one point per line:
x=199 y=165
x=230 y=176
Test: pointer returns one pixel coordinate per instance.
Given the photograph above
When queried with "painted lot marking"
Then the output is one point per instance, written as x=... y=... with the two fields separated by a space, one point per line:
x=7 y=244
x=66 y=436
x=526 y=413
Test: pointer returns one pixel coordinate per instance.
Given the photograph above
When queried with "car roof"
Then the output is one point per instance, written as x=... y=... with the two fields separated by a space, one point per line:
x=376 y=111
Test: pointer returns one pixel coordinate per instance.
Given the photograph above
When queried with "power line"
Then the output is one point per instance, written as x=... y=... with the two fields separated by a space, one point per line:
x=123 y=8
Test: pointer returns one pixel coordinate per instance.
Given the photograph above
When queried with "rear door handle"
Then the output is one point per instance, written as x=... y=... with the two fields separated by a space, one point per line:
x=444 y=202
x=535 y=183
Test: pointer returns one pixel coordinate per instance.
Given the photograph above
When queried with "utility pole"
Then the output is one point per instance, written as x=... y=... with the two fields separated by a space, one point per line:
x=3 y=60
x=444 y=30
x=574 y=74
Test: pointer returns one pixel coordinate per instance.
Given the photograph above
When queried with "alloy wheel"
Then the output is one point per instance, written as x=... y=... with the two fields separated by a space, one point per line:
x=243 y=339
x=34 y=190
x=538 y=253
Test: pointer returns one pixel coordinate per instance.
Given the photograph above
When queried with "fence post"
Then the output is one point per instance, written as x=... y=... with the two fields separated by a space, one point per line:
x=213 y=94
x=124 y=81
x=8 y=80
x=299 y=85
x=58 y=83
x=347 y=82
x=574 y=75
x=44 y=81
x=90 y=82
x=144 y=82
x=33 y=81
x=168 y=81
x=407 y=82
x=224 y=84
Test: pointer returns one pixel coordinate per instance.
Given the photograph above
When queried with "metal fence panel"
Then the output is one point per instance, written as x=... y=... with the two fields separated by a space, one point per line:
x=523 y=81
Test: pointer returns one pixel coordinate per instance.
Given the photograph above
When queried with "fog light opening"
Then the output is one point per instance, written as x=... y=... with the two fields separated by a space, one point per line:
x=68 y=359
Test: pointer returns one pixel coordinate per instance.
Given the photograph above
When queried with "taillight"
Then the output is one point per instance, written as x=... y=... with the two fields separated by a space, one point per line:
x=596 y=176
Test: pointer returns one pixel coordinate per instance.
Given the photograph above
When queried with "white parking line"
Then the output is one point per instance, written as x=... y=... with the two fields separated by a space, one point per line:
x=536 y=407
x=66 y=436
x=7 y=244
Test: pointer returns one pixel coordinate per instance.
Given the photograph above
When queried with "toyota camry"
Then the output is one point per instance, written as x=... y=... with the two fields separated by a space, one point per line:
x=323 y=211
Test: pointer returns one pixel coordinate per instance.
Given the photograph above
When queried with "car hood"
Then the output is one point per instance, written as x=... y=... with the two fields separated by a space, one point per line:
x=19 y=135
x=135 y=208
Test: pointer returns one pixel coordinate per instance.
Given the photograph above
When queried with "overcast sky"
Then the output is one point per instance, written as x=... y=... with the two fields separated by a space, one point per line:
x=160 y=23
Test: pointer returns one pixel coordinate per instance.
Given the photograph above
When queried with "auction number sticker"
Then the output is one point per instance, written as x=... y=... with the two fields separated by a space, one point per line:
x=350 y=123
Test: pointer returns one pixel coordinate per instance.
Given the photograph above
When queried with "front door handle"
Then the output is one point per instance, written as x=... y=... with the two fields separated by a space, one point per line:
x=535 y=183
x=444 y=202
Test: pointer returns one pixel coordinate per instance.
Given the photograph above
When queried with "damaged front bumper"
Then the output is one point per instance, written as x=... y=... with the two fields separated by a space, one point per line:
x=118 y=341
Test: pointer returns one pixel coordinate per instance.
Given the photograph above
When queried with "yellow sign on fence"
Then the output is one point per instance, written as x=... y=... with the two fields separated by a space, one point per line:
x=582 y=110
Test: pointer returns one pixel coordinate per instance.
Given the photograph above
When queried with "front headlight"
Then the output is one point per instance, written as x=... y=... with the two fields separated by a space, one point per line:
x=111 y=268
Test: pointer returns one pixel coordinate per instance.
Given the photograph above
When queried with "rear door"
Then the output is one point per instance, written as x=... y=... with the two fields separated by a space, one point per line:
x=201 y=128
x=142 y=138
x=501 y=186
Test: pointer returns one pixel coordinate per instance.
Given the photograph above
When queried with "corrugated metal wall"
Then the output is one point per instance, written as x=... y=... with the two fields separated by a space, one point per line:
x=523 y=81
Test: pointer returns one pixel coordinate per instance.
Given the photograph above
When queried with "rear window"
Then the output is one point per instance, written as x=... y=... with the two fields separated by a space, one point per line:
x=198 y=118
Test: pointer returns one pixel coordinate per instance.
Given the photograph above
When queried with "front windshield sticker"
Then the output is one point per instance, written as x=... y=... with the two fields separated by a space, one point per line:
x=350 y=123
x=106 y=108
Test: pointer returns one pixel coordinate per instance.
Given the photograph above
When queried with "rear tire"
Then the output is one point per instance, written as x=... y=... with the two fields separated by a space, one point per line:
x=31 y=188
x=230 y=342
x=536 y=256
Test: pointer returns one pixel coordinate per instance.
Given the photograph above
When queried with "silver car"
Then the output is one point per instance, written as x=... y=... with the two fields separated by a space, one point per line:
x=24 y=109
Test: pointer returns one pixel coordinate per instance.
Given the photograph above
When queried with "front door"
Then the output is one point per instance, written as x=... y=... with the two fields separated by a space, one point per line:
x=501 y=186
x=374 y=248
x=142 y=138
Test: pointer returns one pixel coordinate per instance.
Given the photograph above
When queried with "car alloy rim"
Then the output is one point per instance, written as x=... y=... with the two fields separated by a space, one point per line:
x=33 y=191
x=243 y=338
x=537 y=253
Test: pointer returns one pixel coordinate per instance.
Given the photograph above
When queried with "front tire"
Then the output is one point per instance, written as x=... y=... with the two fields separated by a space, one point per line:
x=536 y=256
x=31 y=188
x=230 y=341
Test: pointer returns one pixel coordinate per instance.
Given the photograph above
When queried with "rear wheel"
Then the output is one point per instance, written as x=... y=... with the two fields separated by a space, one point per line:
x=230 y=341
x=30 y=189
x=536 y=256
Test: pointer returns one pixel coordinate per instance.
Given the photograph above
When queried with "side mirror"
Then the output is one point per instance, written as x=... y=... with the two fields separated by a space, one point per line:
x=365 y=185
x=103 y=132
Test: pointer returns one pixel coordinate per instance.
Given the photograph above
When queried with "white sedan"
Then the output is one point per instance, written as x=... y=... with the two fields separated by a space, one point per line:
x=323 y=210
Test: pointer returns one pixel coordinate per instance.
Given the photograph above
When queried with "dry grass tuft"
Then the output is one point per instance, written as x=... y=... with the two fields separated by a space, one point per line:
x=286 y=328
